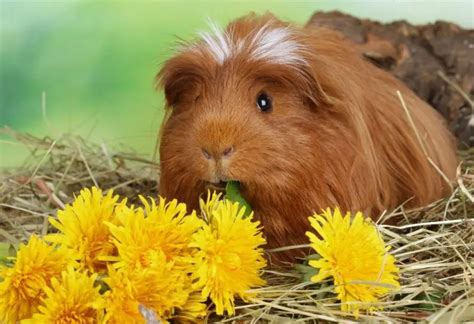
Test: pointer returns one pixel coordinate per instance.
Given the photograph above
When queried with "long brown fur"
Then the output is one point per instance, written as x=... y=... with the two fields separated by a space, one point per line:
x=337 y=136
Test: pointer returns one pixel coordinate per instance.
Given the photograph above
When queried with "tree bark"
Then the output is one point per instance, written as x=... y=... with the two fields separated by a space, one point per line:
x=436 y=61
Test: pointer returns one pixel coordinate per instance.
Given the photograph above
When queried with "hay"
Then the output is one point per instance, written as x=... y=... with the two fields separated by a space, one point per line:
x=56 y=170
x=436 y=256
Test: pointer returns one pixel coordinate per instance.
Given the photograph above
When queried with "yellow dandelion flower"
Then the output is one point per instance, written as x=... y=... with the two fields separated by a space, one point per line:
x=230 y=260
x=355 y=256
x=158 y=288
x=143 y=232
x=210 y=204
x=22 y=286
x=82 y=229
x=193 y=310
x=73 y=299
x=121 y=305
x=154 y=253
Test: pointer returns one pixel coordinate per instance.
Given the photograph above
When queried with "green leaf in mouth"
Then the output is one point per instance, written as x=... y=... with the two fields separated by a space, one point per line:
x=232 y=192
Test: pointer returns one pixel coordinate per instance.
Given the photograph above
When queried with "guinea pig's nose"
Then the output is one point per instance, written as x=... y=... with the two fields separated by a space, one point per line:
x=228 y=151
x=206 y=154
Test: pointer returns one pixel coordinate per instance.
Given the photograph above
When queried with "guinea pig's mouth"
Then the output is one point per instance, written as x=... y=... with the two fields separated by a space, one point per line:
x=216 y=186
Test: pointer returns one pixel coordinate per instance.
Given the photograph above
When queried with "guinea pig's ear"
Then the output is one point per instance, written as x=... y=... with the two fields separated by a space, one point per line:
x=178 y=77
x=313 y=90
x=312 y=80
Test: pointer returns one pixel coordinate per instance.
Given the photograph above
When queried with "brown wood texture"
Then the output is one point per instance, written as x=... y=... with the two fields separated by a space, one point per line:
x=431 y=59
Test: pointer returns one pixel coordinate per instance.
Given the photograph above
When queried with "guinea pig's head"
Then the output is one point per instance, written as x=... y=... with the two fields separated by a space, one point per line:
x=242 y=105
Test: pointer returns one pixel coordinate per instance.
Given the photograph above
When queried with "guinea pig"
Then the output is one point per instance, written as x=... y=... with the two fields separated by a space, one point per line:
x=302 y=122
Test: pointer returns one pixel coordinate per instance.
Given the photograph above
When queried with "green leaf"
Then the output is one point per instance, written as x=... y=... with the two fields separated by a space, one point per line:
x=313 y=257
x=306 y=271
x=232 y=192
x=431 y=300
x=12 y=251
x=4 y=249
x=6 y=252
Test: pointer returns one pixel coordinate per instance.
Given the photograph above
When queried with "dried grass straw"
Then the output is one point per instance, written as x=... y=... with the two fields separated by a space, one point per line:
x=434 y=245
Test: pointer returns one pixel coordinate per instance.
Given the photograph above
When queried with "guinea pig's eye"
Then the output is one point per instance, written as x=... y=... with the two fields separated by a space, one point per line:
x=264 y=102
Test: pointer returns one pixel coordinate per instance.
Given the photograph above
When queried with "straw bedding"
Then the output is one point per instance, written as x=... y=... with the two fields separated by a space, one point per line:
x=434 y=245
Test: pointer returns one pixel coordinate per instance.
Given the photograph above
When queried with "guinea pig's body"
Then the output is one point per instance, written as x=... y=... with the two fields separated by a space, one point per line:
x=302 y=121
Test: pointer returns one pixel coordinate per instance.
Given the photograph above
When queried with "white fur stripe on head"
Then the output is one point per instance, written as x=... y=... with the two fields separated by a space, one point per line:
x=218 y=42
x=276 y=45
x=273 y=44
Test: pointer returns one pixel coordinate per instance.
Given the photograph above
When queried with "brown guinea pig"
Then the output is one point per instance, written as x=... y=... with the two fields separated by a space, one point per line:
x=302 y=122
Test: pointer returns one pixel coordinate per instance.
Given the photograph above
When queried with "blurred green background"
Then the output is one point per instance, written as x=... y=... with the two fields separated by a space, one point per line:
x=87 y=67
